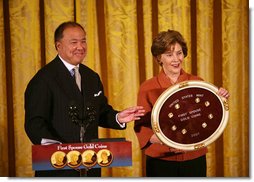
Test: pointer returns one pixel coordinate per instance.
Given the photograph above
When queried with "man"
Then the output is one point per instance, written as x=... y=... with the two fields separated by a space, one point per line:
x=57 y=109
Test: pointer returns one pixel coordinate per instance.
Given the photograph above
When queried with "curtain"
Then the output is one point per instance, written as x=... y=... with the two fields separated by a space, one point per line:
x=119 y=36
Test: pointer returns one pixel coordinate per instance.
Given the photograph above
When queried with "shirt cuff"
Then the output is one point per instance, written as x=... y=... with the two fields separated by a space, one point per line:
x=121 y=125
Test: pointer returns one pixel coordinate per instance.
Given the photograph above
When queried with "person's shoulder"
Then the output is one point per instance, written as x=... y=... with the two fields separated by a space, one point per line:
x=194 y=77
x=147 y=84
x=47 y=68
x=86 y=68
x=45 y=71
x=88 y=71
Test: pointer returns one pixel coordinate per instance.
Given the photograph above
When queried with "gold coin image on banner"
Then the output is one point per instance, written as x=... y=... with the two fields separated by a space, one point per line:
x=58 y=159
x=89 y=158
x=74 y=159
x=104 y=157
x=189 y=115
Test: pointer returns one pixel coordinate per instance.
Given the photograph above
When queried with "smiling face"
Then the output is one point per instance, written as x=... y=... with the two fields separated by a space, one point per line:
x=169 y=49
x=172 y=60
x=72 y=47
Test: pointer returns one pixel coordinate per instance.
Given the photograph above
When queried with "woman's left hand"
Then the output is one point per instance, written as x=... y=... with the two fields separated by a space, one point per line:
x=223 y=92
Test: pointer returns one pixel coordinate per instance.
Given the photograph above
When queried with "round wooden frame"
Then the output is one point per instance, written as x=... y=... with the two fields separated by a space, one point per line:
x=189 y=129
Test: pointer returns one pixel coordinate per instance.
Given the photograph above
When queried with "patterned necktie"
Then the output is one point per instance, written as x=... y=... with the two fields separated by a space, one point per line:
x=77 y=77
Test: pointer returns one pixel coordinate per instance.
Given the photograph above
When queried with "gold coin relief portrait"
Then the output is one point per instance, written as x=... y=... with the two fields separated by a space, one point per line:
x=89 y=158
x=74 y=159
x=104 y=157
x=58 y=159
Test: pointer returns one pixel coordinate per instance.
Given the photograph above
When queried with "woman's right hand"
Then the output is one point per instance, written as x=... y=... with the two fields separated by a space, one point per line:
x=155 y=139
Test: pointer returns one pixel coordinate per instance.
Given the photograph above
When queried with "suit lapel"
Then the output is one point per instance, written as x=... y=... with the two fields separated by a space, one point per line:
x=66 y=81
x=86 y=83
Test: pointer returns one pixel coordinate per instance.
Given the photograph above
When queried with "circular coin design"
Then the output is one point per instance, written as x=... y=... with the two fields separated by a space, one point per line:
x=74 y=159
x=104 y=157
x=58 y=159
x=89 y=158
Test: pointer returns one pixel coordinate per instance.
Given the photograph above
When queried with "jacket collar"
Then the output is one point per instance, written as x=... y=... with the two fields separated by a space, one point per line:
x=164 y=81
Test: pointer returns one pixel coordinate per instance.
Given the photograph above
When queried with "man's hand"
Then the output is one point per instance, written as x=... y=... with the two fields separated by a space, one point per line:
x=130 y=114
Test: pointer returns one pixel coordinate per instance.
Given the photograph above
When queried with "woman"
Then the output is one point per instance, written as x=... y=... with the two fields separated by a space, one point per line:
x=169 y=50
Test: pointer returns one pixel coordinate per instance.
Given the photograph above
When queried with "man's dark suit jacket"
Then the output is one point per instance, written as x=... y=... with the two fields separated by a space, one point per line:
x=48 y=98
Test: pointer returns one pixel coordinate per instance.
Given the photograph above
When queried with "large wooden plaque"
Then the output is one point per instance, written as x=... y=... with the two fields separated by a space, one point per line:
x=189 y=115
